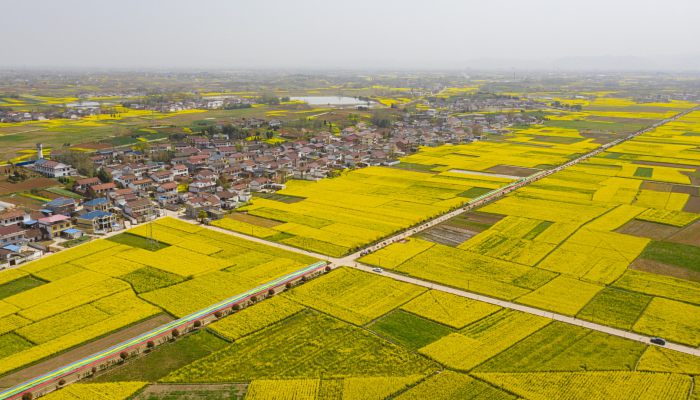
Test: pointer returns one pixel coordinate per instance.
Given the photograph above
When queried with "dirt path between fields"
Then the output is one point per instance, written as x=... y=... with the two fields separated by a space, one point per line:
x=195 y=391
x=83 y=351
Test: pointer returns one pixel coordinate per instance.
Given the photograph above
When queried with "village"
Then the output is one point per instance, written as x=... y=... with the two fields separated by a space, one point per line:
x=204 y=176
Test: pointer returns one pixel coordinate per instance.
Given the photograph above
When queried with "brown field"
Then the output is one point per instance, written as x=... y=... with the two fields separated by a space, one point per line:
x=447 y=235
x=25 y=186
x=512 y=170
x=693 y=205
x=599 y=137
x=480 y=218
x=192 y=392
x=656 y=267
x=656 y=186
x=664 y=164
x=461 y=228
x=254 y=220
x=691 y=190
x=647 y=229
x=688 y=235
x=694 y=176
x=24 y=202
x=643 y=121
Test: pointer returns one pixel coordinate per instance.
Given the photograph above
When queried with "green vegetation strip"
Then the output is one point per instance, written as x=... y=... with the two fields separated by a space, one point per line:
x=409 y=330
x=681 y=255
x=644 y=172
x=19 y=285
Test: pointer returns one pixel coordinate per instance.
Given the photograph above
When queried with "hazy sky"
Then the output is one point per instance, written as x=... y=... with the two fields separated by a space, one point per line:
x=349 y=33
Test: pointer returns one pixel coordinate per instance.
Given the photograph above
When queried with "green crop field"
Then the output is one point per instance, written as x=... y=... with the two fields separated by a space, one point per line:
x=409 y=330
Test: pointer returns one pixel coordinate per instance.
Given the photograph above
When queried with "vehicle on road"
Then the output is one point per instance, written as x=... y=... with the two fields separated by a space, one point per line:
x=378 y=270
x=658 y=340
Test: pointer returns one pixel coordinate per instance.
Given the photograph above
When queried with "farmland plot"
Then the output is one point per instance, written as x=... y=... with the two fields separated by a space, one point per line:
x=83 y=293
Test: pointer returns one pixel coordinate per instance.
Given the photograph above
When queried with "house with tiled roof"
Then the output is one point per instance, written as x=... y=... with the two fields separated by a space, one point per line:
x=52 y=226
x=52 y=169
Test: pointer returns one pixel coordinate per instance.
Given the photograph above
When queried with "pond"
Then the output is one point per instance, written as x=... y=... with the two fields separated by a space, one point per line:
x=331 y=100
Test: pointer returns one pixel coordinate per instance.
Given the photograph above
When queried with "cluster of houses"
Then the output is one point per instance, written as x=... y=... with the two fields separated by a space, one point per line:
x=68 y=111
x=218 y=173
x=82 y=109
x=203 y=103
x=486 y=103
x=25 y=236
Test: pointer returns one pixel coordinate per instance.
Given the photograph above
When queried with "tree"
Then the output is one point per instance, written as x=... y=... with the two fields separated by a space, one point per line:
x=381 y=119
x=61 y=382
x=271 y=99
x=27 y=396
x=175 y=333
x=150 y=344
x=104 y=176
x=477 y=130
x=163 y=156
x=123 y=355
x=197 y=323
x=142 y=147
x=79 y=160
x=270 y=293
x=202 y=215
x=218 y=314
x=236 y=307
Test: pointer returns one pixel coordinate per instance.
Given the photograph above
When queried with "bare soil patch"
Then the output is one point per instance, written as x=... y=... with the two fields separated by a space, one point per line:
x=665 y=164
x=255 y=220
x=479 y=217
x=686 y=189
x=512 y=170
x=192 y=392
x=599 y=137
x=660 y=268
x=647 y=229
x=694 y=176
x=656 y=186
x=461 y=228
x=23 y=202
x=688 y=235
x=448 y=235
x=693 y=205
x=25 y=186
